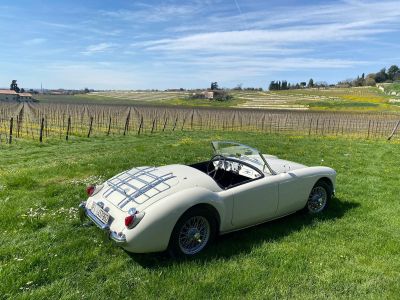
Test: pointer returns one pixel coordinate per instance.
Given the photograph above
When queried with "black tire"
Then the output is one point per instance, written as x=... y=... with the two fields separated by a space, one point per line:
x=319 y=198
x=181 y=238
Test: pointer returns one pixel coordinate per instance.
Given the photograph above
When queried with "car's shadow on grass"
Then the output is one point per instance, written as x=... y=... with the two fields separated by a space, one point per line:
x=245 y=240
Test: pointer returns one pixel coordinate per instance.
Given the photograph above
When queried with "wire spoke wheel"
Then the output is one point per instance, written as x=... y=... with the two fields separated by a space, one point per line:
x=317 y=199
x=194 y=235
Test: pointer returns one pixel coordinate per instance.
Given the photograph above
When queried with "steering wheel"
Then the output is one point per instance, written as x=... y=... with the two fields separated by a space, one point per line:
x=212 y=172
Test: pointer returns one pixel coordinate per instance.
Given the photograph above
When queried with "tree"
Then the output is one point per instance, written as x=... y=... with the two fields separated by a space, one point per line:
x=303 y=84
x=14 y=86
x=370 y=80
x=381 y=76
x=311 y=83
x=214 y=85
x=393 y=70
x=22 y=90
x=273 y=86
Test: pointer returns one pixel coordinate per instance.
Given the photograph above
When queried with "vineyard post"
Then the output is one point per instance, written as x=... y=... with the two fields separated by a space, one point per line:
x=68 y=127
x=152 y=127
x=394 y=130
x=309 y=130
x=90 y=127
x=109 y=127
x=46 y=127
x=286 y=119
x=18 y=126
x=41 y=130
x=165 y=123
x=11 y=130
x=369 y=128
x=191 y=121
x=279 y=122
x=140 y=125
x=183 y=124
x=127 y=122
x=329 y=125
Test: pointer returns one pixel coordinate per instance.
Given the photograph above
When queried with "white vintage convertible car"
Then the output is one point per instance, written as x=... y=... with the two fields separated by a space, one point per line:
x=183 y=207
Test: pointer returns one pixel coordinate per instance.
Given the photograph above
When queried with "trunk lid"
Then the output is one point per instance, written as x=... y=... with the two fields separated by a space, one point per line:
x=138 y=185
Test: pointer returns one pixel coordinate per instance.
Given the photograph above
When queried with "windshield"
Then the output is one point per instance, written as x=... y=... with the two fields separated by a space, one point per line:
x=243 y=152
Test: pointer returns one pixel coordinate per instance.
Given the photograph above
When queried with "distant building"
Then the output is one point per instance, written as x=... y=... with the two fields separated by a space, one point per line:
x=11 y=95
x=208 y=95
x=8 y=95
x=25 y=96
x=219 y=95
x=203 y=95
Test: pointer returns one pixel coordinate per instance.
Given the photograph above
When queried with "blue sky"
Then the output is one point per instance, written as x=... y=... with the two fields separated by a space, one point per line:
x=112 y=44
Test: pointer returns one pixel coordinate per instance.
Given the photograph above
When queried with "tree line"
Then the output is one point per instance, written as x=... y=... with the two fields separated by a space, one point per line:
x=284 y=85
x=384 y=75
x=389 y=75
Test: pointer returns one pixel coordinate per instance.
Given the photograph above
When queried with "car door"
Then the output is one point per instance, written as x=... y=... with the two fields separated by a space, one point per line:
x=255 y=201
x=293 y=192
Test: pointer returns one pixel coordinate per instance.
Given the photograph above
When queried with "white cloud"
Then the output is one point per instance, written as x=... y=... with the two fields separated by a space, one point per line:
x=280 y=39
x=154 y=13
x=98 y=48
x=248 y=40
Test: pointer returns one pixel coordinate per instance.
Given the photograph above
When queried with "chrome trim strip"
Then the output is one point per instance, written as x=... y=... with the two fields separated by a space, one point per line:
x=84 y=212
x=96 y=220
x=117 y=238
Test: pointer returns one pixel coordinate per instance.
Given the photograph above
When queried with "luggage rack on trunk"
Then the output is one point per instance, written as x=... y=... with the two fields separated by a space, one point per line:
x=126 y=178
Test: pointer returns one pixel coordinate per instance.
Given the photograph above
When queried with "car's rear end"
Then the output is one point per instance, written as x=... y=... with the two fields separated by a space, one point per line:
x=117 y=205
x=138 y=208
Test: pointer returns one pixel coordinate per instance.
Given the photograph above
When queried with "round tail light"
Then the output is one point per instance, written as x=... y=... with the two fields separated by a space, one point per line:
x=129 y=220
x=90 y=190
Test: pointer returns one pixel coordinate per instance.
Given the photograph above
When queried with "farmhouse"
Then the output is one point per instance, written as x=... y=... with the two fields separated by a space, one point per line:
x=25 y=96
x=11 y=95
x=8 y=95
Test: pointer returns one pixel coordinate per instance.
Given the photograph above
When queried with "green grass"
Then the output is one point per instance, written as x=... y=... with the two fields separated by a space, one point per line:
x=351 y=251
x=338 y=105
x=202 y=102
x=395 y=87
x=94 y=99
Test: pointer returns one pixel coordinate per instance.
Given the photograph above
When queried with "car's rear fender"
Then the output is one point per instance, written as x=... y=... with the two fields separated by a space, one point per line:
x=153 y=233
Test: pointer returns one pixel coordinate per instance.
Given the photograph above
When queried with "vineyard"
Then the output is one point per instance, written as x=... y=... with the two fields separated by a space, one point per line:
x=333 y=99
x=39 y=122
x=356 y=99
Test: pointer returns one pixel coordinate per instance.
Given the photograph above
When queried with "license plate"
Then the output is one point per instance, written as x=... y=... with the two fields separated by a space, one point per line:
x=100 y=213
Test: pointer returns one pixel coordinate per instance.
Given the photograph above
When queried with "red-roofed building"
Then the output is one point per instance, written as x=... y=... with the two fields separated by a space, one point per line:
x=25 y=96
x=8 y=95
x=11 y=95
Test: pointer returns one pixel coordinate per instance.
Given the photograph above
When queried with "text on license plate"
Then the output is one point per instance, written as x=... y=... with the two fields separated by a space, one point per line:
x=100 y=213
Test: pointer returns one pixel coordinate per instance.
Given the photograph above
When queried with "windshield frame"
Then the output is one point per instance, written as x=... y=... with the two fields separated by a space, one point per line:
x=225 y=149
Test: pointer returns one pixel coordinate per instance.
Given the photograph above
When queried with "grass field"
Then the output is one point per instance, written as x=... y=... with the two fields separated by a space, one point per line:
x=395 y=87
x=352 y=251
x=334 y=99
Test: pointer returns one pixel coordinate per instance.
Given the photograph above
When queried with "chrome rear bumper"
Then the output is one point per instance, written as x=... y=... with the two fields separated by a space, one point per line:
x=85 y=213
